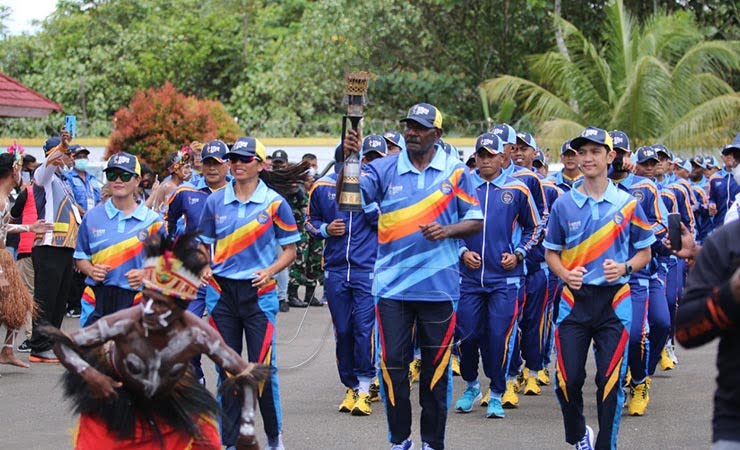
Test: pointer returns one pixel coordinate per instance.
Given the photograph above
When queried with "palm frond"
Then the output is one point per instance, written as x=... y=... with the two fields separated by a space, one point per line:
x=721 y=114
x=619 y=37
x=717 y=57
x=552 y=133
x=535 y=100
x=646 y=99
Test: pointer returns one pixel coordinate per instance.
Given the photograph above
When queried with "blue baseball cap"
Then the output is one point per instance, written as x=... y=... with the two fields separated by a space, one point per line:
x=565 y=148
x=505 y=132
x=248 y=146
x=51 y=143
x=124 y=161
x=734 y=147
x=424 y=114
x=75 y=150
x=682 y=163
x=620 y=141
x=395 y=138
x=592 y=134
x=539 y=157
x=374 y=143
x=216 y=150
x=710 y=162
x=645 y=154
x=489 y=142
x=527 y=139
x=660 y=148
x=698 y=161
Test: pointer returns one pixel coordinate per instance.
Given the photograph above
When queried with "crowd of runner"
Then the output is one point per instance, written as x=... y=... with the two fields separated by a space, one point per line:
x=452 y=265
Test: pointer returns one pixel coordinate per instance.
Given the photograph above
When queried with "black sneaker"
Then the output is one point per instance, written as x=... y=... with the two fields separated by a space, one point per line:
x=296 y=302
x=284 y=306
x=316 y=302
x=25 y=347
x=73 y=313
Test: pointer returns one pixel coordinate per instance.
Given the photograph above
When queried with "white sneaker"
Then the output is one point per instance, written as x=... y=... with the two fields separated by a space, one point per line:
x=587 y=441
x=671 y=350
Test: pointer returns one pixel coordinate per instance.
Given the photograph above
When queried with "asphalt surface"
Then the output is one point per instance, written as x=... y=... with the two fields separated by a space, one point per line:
x=33 y=414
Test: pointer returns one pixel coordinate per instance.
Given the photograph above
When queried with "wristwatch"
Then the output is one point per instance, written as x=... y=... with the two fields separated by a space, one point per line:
x=627 y=268
x=519 y=255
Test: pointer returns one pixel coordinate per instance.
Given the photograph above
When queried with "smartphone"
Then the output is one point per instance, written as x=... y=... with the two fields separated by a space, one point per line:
x=70 y=124
x=674 y=230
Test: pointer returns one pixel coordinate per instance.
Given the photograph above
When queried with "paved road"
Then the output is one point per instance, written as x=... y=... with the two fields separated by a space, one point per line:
x=33 y=414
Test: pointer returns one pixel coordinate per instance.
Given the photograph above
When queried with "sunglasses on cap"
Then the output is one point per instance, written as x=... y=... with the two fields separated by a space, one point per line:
x=241 y=159
x=124 y=176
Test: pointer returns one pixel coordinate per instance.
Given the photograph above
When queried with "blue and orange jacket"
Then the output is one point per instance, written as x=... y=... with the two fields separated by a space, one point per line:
x=510 y=222
x=722 y=192
x=656 y=213
x=357 y=249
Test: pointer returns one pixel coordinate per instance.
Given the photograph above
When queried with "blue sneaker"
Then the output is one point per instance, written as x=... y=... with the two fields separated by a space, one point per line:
x=470 y=396
x=587 y=441
x=408 y=444
x=495 y=410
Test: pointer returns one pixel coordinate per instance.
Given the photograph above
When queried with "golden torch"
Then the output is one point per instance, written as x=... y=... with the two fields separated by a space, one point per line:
x=355 y=98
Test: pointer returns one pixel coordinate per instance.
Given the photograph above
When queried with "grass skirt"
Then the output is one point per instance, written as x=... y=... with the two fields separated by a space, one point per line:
x=15 y=303
x=136 y=418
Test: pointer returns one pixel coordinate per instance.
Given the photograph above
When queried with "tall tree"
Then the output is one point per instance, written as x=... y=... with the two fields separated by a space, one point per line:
x=660 y=81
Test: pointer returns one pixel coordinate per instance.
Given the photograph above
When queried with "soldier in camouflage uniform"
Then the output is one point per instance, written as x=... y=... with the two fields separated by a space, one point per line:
x=306 y=270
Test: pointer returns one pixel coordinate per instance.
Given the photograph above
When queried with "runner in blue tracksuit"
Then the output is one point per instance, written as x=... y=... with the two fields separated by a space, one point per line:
x=570 y=173
x=535 y=278
x=723 y=188
x=650 y=316
x=532 y=327
x=185 y=208
x=492 y=272
x=672 y=269
x=351 y=246
x=596 y=235
x=554 y=289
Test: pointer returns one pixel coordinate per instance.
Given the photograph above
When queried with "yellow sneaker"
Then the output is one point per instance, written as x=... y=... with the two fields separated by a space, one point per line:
x=414 y=370
x=531 y=387
x=486 y=397
x=375 y=391
x=455 y=366
x=362 y=405
x=510 y=399
x=350 y=398
x=639 y=400
x=543 y=377
x=666 y=363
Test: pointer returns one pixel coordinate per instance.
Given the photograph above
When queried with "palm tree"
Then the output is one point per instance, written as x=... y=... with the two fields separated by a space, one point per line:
x=659 y=82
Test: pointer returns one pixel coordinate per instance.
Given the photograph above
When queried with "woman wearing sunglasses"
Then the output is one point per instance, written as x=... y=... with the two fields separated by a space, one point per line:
x=242 y=225
x=110 y=242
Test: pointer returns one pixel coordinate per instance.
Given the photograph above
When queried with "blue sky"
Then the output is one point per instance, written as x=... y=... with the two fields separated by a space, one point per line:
x=25 y=11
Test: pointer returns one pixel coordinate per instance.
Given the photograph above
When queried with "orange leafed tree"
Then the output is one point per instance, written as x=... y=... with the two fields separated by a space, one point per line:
x=159 y=121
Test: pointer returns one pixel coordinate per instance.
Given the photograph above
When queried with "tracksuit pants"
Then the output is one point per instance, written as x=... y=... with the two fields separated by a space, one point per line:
x=659 y=321
x=533 y=324
x=486 y=323
x=352 y=308
x=554 y=289
x=639 y=345
x=435 y=326
x=601 y=314
x=243 y=310
x=101 y=300
x=674 y=281
x=198 y=307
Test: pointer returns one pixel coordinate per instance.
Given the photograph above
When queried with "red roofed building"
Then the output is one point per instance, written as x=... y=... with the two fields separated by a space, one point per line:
x=17 y=100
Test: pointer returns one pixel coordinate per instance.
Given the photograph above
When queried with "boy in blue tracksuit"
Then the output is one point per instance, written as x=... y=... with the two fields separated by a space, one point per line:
x=351 y=245
x=723 y=188
x=554 y=289
x=570 y=172
x=650 y=315
x=185 y=208
x=492 y=272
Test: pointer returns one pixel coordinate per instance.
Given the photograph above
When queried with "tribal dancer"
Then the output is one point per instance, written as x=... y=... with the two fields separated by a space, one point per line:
x=129 y=373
